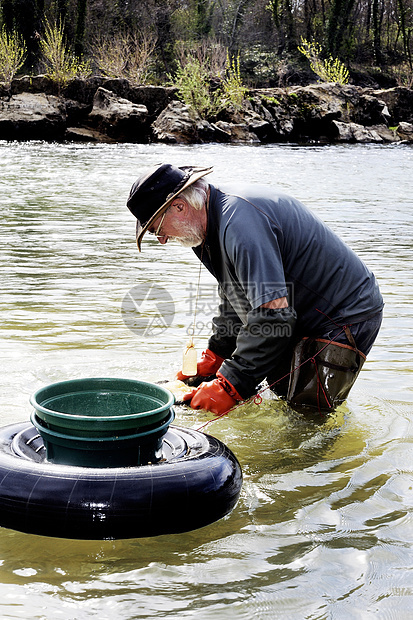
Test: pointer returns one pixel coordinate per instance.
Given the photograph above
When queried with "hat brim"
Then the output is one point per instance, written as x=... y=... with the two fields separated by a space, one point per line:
x=197 y=173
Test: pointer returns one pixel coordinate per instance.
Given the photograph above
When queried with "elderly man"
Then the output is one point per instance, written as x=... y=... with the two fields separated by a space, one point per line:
x=298 y=307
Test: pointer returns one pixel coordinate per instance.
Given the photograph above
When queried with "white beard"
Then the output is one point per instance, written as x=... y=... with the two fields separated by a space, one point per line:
x=191 y=236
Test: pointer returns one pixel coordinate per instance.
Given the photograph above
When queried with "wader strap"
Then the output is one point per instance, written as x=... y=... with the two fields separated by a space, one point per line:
x=350 y=336
x=351 y=340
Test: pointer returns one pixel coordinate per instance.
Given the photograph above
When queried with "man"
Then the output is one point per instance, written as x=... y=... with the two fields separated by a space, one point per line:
x=298 y=307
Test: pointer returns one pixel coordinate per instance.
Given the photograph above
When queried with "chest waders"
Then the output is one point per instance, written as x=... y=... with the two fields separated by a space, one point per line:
x=323 y=372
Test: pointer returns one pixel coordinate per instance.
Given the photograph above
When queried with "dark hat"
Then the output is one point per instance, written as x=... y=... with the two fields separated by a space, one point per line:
x=154 y=191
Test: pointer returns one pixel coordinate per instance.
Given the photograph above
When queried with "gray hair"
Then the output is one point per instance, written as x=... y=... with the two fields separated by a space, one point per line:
x=196 y=194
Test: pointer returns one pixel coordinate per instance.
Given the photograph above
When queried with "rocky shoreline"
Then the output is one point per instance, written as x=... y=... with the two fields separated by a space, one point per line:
x=105 y=110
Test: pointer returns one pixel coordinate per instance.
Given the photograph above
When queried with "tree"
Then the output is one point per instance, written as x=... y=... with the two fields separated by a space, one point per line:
x=24 y=17
x=282 y=13
x=406 y=33
x=338 y=25
x=80 y=27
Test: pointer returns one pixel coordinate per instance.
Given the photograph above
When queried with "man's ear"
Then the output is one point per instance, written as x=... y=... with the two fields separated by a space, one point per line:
x=180 y=204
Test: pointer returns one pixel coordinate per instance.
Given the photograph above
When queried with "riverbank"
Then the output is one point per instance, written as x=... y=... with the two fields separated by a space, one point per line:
x=111 y=110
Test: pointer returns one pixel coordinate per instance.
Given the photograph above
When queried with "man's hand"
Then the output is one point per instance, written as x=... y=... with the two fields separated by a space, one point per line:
x=208 y=365
x=217 y=396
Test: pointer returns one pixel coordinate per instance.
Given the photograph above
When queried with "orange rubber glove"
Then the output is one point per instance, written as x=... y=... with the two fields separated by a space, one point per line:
x=217 y=396
x=207 y=365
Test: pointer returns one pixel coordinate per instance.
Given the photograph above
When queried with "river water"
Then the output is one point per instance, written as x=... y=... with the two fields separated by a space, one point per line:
x=323 y=526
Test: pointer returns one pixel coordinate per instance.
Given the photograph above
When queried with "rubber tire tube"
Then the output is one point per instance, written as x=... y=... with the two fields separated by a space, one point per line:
x=176 y=495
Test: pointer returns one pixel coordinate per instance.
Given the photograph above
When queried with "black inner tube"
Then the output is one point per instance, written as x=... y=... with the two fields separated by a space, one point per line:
x=197 y=481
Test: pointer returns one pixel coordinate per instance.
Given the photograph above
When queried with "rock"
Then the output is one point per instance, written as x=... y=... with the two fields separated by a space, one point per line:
x=353 y=132
x=312 y=112
x=35 y=116
x=399 y=101
x=155 y=98
x=302 y=113
x=42 y=84
x=83 y=134
x=244 y=125
x=387 y=134
x=259 y=127
x=179 y=124
x=105 y=109
x=237 y=132
x=405 y=131
x=176 y=125
x=119 y=118
x=370 y=111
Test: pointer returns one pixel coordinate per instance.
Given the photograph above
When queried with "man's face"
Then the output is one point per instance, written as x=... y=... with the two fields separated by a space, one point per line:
x=180 y=223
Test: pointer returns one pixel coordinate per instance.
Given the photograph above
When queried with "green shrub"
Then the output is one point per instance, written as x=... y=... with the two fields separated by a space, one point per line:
x=60 y=63
x=12 y=55
x=328 y=69
x=233 y=91
x=193 y=81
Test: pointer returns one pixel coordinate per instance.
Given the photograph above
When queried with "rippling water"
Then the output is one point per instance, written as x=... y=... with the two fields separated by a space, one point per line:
x=323 y=528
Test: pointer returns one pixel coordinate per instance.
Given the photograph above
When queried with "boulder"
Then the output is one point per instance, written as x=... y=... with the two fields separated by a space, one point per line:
x=370 y=111
x=236 y=132
x=42 y=84
x=36 y=116
x=83 y=134
x=244 y=125
x=155 y=98
x=176 y=125
x=308 y=112
x=399 y=101
x=353 y=132
x=387 y=134
x=302 y=113
x=405 y=131
x=118 y=118
x=179 y=124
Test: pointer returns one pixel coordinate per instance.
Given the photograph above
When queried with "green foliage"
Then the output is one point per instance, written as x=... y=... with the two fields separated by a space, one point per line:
x=193 y=79
x=233 y=91
x=328 y=69
x=61 y=65
x=192 y=82
x=12 y=55
x=271 y=100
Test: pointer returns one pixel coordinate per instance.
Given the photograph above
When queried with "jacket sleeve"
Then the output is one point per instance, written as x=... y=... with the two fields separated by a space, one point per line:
x=226 y=327
x=260 y=345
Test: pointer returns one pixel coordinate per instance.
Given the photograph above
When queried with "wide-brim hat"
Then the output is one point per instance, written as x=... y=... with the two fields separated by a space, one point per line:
x=154 y=191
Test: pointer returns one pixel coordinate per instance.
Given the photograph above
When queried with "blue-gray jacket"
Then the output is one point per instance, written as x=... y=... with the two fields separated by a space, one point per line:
x=261 y=245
